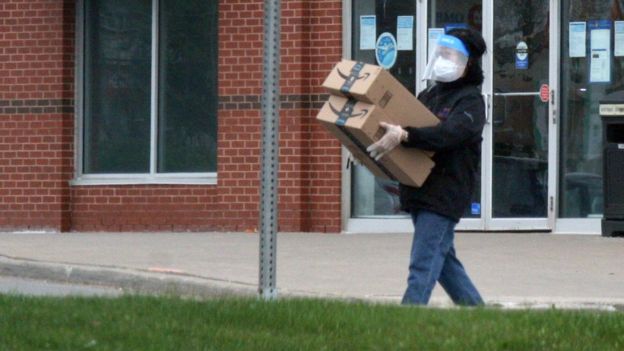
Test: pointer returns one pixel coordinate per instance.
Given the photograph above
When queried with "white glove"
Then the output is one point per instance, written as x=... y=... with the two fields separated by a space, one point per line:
x=392 y=138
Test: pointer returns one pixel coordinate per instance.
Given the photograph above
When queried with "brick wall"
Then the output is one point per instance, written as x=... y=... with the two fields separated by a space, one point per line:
x=36 y=121
x=150 y=208
x=309 y=157
x=36 y=128
x=324 y=173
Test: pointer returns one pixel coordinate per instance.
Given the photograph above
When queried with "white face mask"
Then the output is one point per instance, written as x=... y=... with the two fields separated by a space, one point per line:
x=445 y=70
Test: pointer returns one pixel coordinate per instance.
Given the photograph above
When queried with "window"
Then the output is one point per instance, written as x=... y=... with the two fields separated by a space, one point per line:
x=149 y=87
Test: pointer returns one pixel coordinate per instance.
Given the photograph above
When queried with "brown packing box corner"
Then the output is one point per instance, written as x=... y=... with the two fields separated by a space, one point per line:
x=375 y=85
x=361 y=128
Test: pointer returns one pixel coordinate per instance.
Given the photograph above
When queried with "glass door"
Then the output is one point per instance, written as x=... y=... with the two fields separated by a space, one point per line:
x=373 y=204
x=442 y=16
x=519 y=147
x=519 y=115
x=515 y=154
x=592 y=66
x=373 y=199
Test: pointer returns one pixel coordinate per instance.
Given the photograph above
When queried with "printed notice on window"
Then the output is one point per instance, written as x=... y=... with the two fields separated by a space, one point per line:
x=618 y=50
x=405 y=32
x=432 y=36
x=578 y=38
x=368 y=32
x=600 y=51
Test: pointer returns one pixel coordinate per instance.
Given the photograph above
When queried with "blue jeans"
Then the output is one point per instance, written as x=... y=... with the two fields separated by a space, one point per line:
x=433 y=259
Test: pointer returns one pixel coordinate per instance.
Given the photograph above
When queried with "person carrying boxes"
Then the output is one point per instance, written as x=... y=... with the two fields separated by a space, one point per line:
x=436 y=206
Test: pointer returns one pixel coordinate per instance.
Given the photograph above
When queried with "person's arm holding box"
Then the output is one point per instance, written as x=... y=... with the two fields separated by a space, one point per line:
x=464 y=123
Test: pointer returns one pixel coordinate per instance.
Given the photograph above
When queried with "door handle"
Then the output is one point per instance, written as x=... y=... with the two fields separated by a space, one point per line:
x=519 y=94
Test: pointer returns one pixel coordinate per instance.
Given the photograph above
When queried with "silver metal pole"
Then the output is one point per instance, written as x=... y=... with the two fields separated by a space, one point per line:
x=270 y=150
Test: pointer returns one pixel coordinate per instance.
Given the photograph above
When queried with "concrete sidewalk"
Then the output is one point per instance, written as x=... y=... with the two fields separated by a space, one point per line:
x=524 y=270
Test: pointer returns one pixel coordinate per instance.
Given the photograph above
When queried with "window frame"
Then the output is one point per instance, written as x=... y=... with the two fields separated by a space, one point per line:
x=153 y=177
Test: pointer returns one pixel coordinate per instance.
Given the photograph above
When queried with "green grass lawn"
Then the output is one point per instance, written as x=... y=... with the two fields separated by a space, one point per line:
x=157 y=323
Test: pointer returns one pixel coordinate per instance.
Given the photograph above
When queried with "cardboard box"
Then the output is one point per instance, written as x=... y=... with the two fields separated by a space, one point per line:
x=356 y=125
x=375 y=85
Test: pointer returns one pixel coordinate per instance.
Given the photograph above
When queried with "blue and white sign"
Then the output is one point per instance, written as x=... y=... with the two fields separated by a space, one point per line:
x=522 y=55
x=368 y=32
x=386 y=50
x=578 y=37
x=405 y=32
x=618 y=50
x=475 y=208
x=600 y=51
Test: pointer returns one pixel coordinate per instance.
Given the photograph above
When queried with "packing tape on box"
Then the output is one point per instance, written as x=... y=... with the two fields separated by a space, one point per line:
x=352 y=77
x=343 y=116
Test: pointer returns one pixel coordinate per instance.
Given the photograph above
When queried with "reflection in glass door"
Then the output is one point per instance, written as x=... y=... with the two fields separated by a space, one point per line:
x=370 y=196
x=581 y=164
x=444 y=15
x=520 y=71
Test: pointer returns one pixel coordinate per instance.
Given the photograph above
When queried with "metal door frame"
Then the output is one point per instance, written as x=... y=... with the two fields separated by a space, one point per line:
x=519 y=224
x=591 y=226
x=553 y=125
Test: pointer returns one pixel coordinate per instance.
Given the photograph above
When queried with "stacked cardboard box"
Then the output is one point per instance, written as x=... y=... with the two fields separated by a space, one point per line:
x=363 y=95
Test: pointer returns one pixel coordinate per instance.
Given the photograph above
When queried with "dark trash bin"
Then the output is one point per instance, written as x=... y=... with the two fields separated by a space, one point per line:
x=612 y=115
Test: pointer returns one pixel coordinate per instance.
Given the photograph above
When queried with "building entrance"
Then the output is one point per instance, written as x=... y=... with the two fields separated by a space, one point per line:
x=516 y=182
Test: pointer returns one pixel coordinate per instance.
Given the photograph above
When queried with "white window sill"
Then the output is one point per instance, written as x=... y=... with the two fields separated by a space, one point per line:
x=143 y=179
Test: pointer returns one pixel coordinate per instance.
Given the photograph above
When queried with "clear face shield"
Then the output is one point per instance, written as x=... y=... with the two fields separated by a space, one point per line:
x=448 y=61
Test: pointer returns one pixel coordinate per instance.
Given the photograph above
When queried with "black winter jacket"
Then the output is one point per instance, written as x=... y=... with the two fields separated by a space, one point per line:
x=457 y=145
